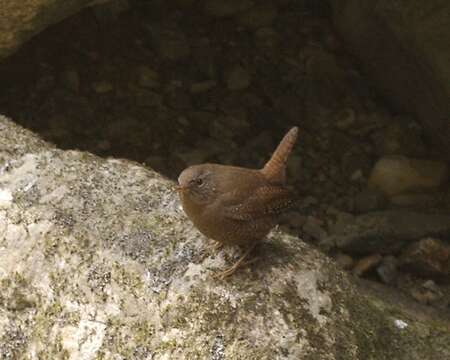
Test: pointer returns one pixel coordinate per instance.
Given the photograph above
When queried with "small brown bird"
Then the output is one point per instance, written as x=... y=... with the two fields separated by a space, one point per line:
x=235 y=205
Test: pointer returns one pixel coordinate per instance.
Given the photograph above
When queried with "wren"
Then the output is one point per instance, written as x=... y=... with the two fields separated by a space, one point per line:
x=236 y=205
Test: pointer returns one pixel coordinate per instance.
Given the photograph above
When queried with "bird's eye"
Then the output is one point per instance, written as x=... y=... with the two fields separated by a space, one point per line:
x=199 y=182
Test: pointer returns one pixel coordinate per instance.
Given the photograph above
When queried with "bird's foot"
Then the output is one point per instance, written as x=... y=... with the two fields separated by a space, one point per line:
x=217 y=245
x=241 y=262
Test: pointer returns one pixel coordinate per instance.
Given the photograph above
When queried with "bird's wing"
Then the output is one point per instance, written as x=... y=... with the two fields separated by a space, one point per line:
x=262 y=202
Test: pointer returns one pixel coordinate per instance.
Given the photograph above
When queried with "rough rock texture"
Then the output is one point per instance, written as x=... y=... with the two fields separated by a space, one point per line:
x=394 y=175
x=403 y=46
x=20 y=20
x=97 y=261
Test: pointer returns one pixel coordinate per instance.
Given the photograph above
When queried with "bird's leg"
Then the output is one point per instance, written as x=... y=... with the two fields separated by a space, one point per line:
x=217 y=245
x=237 y=264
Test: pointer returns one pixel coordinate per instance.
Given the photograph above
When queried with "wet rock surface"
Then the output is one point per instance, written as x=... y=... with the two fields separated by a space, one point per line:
x=98 y=260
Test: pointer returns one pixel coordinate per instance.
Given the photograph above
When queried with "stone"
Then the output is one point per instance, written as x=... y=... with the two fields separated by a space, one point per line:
x=147 y=78
x=344 y=261
x=219 y=8
x=98 y=260
x=237 y=79
x=366 y=263
x=395 y=175
x=427 y=293
x=386 y=231
x=260 y=15
x=369 y=200
x=387 y=270
x=415 y=201
x=21 y=20
x=403 y=47
x=427 y=257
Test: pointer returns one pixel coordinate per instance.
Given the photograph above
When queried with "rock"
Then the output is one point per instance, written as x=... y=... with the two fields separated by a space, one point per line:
x=394 y=175
x=344 y=261
x=237 y=78
x=219 y=8
x=427 y=257
x=102 y=87
x=416 y=201
x=21 y=20
x=369 y=200
x=147 y=78
x=427 y=293
x=313 y=227
x=405 y=54
x=109 y=267
x=366 y=263
x=386 y=231
x=260 y=15
x=387 y=270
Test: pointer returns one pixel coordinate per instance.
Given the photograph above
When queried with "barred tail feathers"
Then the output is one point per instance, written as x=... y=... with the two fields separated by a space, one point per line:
x=275 y=168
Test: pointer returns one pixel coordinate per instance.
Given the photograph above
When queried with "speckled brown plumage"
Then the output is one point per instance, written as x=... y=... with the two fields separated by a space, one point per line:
x=235 y=205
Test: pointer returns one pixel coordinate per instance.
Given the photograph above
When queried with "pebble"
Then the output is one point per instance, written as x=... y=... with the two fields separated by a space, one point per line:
x=427 y=257
x=345 y=261
x=386 y=231
x=365 y=264
x=387 y=270
x=395 y=175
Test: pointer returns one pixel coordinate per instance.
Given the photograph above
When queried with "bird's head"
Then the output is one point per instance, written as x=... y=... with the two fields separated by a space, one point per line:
x=197 y=183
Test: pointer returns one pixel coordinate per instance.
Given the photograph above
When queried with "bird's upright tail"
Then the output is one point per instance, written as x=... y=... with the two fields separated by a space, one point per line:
x=275 y=168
